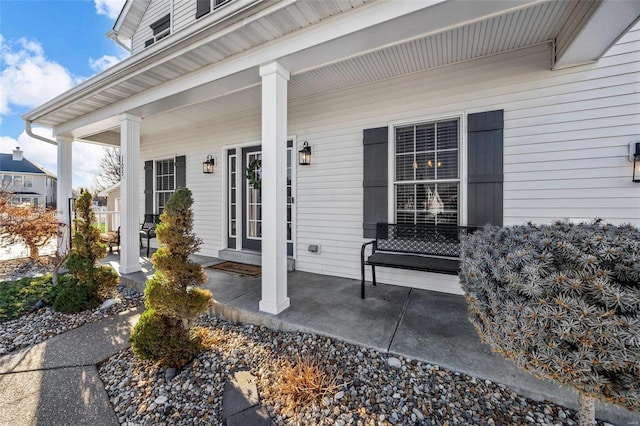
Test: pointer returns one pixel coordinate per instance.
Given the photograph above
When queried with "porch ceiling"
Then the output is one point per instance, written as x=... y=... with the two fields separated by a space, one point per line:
x=424 y=39
x=511 y=31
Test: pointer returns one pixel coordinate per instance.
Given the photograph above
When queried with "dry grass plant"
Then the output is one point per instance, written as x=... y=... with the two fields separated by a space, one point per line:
x=305 y=382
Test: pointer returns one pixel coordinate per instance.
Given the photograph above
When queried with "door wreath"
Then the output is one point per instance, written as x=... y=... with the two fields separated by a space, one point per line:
x=253 y=173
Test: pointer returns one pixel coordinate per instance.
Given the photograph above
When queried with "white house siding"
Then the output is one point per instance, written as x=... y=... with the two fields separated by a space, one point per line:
x=156 y=10
x=566 y=148
x=184 y=13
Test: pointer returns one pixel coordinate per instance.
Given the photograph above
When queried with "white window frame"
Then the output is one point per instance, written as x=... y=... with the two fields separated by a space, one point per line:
x=156 y=191
x=462 y=160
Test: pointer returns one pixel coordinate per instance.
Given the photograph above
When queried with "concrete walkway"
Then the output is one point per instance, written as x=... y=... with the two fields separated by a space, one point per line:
x=56 y=382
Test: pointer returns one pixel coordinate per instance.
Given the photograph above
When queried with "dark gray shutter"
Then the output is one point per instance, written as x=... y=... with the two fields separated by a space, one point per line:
x=148 y=187
x=202 y=7
x=376 y=157
x=485 y=172
x=181 y=172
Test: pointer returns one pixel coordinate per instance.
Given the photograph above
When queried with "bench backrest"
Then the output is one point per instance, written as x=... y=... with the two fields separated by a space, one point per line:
x=150 y=221
x=433 y=240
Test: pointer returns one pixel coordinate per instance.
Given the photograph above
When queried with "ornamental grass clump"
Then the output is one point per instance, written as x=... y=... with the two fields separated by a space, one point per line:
x=172 y=297
x=561 y=301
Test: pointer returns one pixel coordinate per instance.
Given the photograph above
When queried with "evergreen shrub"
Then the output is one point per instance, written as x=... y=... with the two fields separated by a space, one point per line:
x=72 y=297
x=172 y=297
x=561 y=301
x=161 y=339
x=94 y=283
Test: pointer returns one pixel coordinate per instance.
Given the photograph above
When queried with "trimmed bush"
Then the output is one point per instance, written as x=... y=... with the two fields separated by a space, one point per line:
x=161 y=339
x=72 y=297
x=95 y=283
x=172 y=297
x=561 y=301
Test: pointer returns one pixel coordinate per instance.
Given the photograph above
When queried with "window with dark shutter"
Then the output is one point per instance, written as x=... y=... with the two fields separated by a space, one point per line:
x=161 y=29
x=161 y=179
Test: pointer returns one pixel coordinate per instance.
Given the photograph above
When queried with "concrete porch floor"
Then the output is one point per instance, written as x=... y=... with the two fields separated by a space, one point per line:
x=418 y=324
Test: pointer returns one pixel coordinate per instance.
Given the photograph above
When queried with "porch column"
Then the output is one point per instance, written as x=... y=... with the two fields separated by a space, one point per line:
x=130 y=194
x=274 y=183
x=64 y=187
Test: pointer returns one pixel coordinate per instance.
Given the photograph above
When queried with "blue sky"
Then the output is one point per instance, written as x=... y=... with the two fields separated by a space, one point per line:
x=47 y=47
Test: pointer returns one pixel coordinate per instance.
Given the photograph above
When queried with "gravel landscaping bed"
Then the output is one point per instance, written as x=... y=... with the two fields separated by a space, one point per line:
x=376 y=389
x=43 y=323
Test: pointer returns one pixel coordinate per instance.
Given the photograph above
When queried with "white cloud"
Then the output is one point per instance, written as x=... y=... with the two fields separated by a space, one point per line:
x=110 y=8
x=85 y=157
x=28 y=78
x=104 y=62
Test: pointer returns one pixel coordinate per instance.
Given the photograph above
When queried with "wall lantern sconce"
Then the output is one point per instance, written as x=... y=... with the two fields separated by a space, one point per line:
x=209 y=165
x=634 y=155
x=304 y=155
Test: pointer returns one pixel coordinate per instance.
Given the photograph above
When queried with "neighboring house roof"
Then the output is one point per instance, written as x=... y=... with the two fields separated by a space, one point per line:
x=105 y=192
x=7 y=164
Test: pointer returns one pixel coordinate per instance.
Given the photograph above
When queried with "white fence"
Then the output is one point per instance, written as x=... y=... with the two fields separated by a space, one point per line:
x=108 y=220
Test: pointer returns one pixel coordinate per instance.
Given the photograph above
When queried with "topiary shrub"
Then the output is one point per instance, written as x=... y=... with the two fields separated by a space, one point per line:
x=561 y=301
x=172 y=297
x=161 y=339
x=96 y=283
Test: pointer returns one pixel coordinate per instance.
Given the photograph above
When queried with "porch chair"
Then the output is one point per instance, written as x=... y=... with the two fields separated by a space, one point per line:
x=148 y=229
x=111 y=239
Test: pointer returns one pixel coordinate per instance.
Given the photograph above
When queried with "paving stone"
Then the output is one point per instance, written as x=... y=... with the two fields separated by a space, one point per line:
x=240 y=393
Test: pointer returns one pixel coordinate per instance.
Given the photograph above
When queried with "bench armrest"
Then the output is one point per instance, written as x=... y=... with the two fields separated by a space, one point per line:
x=374 y=246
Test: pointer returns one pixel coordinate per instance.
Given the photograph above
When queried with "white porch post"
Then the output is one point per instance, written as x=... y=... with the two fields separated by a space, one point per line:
x=274 y=178
x=129 y=193
x=64 y=186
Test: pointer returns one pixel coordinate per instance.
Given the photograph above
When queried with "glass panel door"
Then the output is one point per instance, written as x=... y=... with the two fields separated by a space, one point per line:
x=252 y=200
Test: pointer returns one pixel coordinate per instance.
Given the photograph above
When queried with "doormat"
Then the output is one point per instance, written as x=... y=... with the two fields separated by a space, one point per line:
x=239 y=268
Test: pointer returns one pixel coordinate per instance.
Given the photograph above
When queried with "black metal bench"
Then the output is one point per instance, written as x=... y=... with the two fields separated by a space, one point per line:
x=148 y=229
x=430 y=248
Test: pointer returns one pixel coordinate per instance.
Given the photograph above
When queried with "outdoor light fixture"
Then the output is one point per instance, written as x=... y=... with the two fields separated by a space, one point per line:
x=304 y=155
x=209 y=165
x=634 y=155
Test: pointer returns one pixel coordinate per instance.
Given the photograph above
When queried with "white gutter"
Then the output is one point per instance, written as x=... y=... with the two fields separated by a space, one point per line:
x=27 y=128
x=114 y=36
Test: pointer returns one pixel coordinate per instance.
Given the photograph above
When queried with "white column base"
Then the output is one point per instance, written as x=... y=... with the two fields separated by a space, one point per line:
x=274 y=308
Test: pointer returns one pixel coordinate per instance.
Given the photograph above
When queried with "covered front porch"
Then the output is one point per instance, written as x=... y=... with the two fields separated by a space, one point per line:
x=418 y=324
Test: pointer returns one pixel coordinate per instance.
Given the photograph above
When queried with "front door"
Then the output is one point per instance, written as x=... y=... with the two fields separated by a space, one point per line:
x=251 y=200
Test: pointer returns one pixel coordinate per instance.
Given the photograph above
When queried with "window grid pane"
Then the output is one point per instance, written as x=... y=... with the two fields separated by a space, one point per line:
x=427 y=177
x=165 y=182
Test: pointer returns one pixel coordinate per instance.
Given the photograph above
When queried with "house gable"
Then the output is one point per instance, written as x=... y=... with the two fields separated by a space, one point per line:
x=157 y=14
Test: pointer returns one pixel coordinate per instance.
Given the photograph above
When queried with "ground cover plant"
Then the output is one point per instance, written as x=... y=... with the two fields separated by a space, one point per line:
x=561 y=301
x=19 y=297
x=173 y=299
